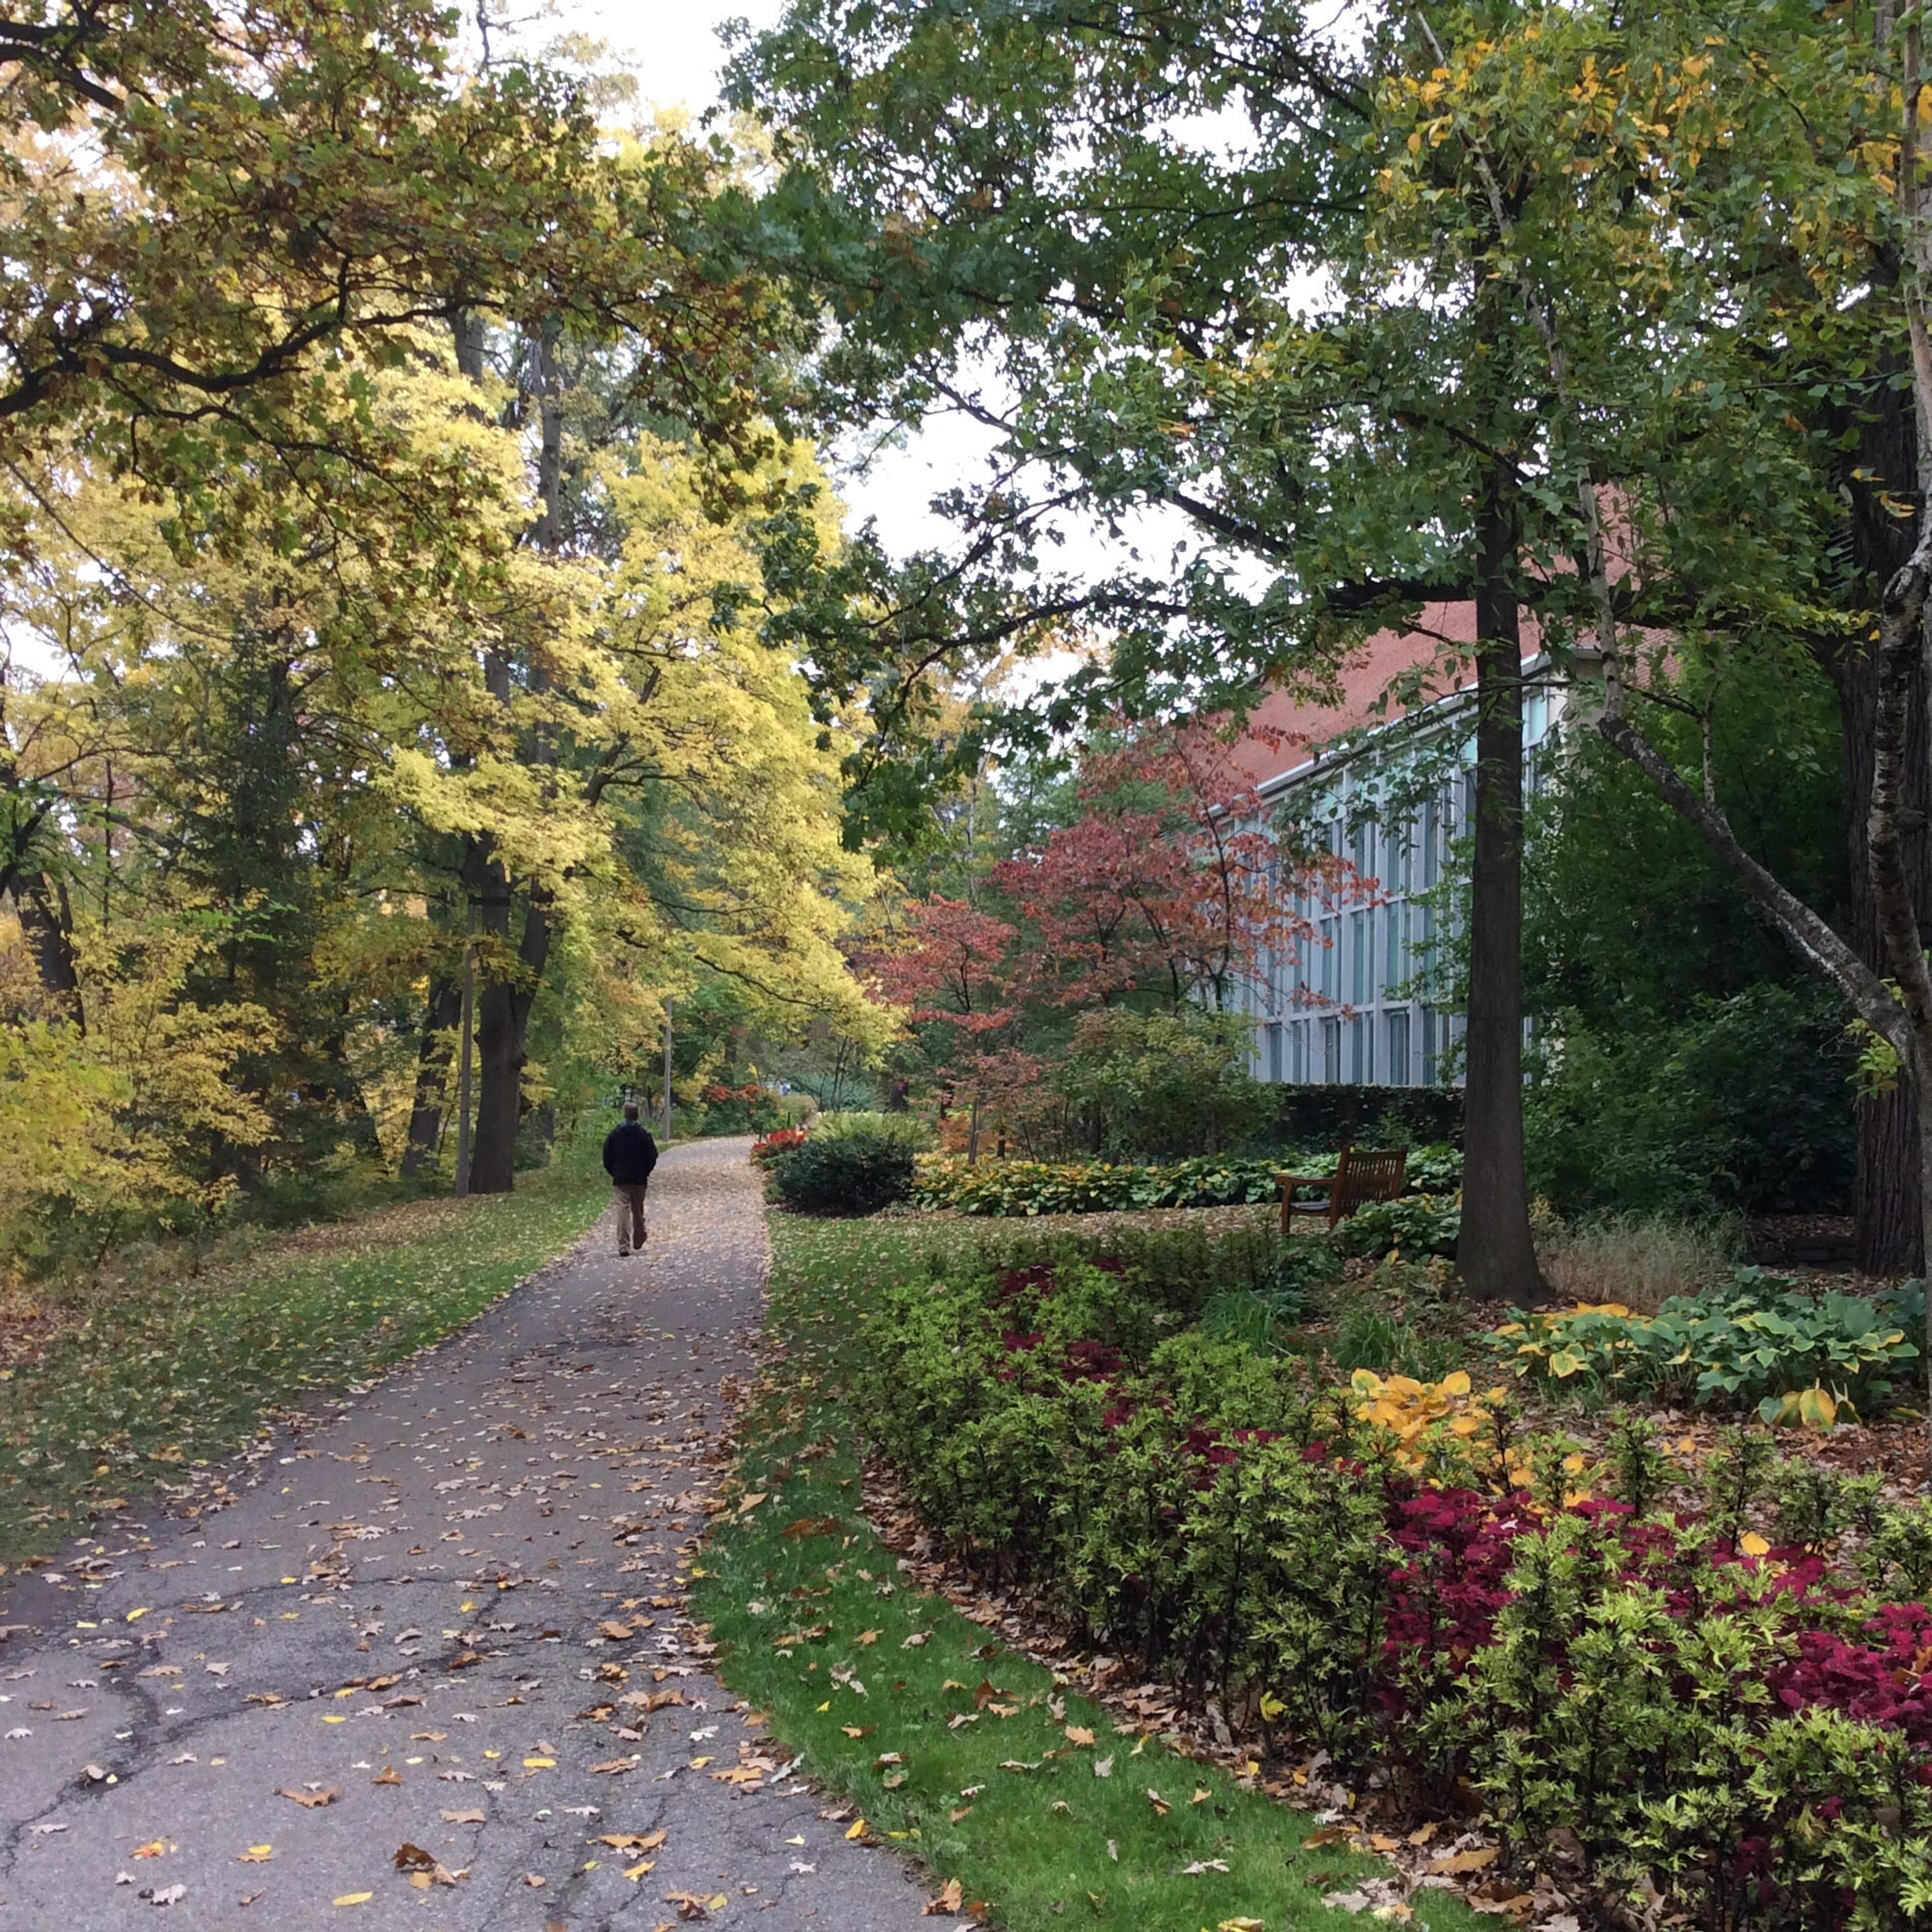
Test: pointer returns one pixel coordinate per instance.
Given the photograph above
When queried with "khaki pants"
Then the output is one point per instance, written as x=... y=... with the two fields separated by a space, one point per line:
x=631 y=1232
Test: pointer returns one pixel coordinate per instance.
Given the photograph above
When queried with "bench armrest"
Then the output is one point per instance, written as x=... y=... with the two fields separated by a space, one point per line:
x=1304 y=1180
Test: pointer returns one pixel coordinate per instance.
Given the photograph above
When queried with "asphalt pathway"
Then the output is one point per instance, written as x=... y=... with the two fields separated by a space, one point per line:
x=450 y=1619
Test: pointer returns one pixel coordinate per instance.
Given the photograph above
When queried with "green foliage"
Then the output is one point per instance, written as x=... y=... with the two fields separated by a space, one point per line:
x=1165 y=1086
x=1031 y=1840
x=1744 y=1103
x=1753 y=1339
x=1029 y=1187
x=1620 y=1686
x=849 y=1164
x=1423 y=1224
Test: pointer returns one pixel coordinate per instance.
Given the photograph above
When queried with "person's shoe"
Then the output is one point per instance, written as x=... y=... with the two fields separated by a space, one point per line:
x=623 y=1254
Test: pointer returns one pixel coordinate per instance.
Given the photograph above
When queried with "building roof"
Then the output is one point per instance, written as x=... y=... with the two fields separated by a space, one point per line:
x=1286 y=734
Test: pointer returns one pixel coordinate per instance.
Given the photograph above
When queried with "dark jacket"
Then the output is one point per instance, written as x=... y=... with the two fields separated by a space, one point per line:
x=630 y=1154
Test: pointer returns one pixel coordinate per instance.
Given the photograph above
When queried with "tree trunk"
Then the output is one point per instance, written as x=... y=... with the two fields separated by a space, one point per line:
x=1495 y=1256
x=503 y=1001
x=47 y=923
x=443 y=1011
x=1879 y=469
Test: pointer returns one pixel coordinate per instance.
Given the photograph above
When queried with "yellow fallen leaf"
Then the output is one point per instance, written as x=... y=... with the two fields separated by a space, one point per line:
x=540 y=1764
x=1465 y=1861
x=1753 y=1544
x=154 y=1848
x=256 y=1854
x=636 y=1871
x=353 y=1898
x=858 y=1829
x=1201 y=1795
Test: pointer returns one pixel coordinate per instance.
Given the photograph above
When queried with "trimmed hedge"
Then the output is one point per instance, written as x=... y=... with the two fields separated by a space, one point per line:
x=1322 y=1115
x=1029 y=1187
x=1394 y=1574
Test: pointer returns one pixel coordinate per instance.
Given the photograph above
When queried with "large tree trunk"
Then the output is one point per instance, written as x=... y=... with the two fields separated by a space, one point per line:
x=505 y=991
x=1496 y=1255
x=444 y=1010
x=1880 y=470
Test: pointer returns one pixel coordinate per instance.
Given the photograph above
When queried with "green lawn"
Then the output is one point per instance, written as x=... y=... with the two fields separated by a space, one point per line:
x=153 y=1383
x=950 y=1746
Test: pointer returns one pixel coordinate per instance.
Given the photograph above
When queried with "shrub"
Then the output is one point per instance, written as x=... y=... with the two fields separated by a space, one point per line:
x=848 y=1164
x=780 y=1140
x=1754 y=1340
x=1417 y=1224
x=1031 y=1187
x=1396 y=1574
x=1164 y=1086
x=1744 y=1106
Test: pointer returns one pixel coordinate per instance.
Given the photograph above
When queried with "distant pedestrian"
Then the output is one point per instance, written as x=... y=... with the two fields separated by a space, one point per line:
x=629 y=1155
x=898 y=1094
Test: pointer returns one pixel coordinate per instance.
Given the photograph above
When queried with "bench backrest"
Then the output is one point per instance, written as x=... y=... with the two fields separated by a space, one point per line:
x=1361 y=1176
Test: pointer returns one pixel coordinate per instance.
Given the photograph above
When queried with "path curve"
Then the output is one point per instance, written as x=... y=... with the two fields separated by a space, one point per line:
x=434 y=1606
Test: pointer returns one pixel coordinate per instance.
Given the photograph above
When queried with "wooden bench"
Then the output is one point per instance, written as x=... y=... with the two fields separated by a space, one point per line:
x=1359 y=1177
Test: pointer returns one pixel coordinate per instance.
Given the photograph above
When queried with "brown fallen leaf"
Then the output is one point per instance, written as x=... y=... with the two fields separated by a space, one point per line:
x=662 y=1700
x=389 y=1774
x=462 y=1817
x=616 y=1632
x=633 y=1841
x=1079 y=1736
x=946 y=1903
x=614 y=1767
x=1161 y=1807
x=312 y=1801
x=1453 y=1862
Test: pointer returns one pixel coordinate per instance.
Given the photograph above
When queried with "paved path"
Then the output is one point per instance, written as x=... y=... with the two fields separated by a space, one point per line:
x=449 y=1611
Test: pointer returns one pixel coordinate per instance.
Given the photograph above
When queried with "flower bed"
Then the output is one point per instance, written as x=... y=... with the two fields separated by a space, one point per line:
x=1396 y=1573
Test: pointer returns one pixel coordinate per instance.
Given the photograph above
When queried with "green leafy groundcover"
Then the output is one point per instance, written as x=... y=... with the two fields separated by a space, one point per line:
x=156 y=1383
x=953 y=1748
x=1029 y=1187
x=1724 y=1697
x=1757 y=1339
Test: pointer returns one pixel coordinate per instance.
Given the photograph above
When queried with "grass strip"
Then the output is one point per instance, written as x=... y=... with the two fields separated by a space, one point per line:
x=155 y=1382
x=952 y=1747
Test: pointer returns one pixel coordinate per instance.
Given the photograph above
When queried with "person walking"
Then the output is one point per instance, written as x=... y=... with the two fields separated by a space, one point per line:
x=629 y=1155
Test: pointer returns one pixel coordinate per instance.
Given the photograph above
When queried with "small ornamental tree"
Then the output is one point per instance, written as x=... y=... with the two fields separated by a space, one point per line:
x=1168 y=889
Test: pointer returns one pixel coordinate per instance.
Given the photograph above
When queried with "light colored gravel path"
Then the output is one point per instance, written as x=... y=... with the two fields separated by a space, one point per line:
x=451 y=1607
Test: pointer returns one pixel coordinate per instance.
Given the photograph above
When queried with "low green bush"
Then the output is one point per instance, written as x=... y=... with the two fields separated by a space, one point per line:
x=849 y=1164
x=1421 y=1224
x=1755 y=1339
x=1029 y=1187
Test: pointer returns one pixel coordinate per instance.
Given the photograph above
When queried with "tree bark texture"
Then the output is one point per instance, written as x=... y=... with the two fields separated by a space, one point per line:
x=439 y=1018
x=1883 y=470
x=1496 y=1255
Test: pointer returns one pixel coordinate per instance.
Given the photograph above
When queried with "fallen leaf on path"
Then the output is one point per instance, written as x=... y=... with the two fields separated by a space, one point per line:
x=946 y=1903
x=311 y=1800
x=389 y=1774
x=154 y=1848
x=352 y=1898
x=166 y=1894
x=633 y=1841
x=256 y=1854
x=615 y=1767
x=462 y=1817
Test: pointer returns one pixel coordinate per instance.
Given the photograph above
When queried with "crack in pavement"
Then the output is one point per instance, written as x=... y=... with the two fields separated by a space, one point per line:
x=480 y=1688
